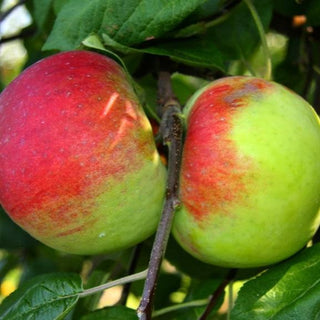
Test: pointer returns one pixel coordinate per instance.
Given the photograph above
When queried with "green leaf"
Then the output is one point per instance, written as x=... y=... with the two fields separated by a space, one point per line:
x=234 y=38
x=123 y=25
x=185 y=86
x=205 y=10
x=58 y=4
x=290 y=290
x=109 y=42
x=93 y=42
x=237 y=36
x=198 y=51
x=45 y=297
x=126 y=22
x=41 y=11
x=135 y=21
x=75 y=22
x=112 y=313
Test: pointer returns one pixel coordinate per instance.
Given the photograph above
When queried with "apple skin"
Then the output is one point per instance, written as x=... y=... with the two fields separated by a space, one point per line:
x=250 y=177
x=79 y=168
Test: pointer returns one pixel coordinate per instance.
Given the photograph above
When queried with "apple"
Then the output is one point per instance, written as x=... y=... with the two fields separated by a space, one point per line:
x=250 y=177
x=79 y=169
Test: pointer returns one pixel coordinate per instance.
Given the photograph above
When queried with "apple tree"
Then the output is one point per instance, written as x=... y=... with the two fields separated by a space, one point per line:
x=168 y=53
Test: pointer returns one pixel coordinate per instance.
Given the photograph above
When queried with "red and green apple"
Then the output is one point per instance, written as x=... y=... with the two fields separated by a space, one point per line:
x=250 y=177
x=79 y=169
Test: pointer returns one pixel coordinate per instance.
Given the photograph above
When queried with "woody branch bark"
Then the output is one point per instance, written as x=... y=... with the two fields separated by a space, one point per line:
x=171 y=129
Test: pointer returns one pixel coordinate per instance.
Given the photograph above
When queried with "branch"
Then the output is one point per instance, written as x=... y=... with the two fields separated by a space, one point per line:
x=171 y=130
x=133 y=277
x=214 y=298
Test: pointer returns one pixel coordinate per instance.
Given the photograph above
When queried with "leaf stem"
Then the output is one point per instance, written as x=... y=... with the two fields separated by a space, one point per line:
x=267 y=55
x=218 y=292
x=131 y=278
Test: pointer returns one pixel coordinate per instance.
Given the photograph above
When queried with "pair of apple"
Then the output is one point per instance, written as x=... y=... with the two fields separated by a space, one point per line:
x=80 y=172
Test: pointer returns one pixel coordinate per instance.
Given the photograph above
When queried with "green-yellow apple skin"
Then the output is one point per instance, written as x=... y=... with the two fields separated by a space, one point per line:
x=79 y=169
x=250 y=177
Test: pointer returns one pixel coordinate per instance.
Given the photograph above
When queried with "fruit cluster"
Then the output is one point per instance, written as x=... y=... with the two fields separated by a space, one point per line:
x=79 y=169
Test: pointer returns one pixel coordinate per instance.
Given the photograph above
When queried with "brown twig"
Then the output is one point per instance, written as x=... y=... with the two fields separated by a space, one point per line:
x=133 y=264
x=171 y=130
x=218 y=292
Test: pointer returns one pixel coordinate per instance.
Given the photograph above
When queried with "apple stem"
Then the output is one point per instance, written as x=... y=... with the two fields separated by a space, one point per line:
x=217 y=293
x=171 y=129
